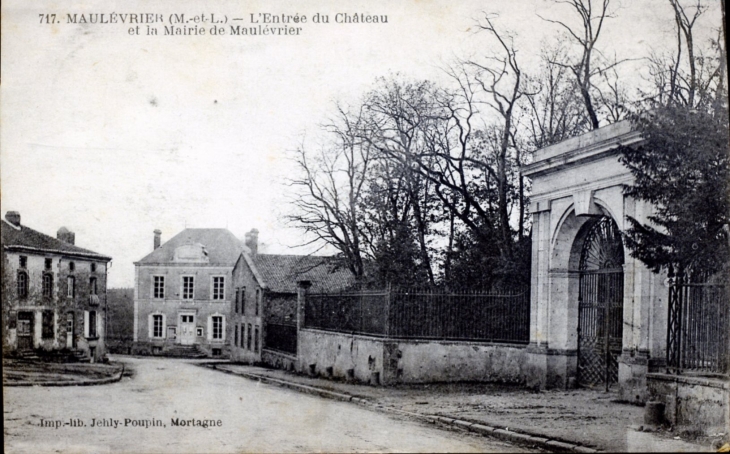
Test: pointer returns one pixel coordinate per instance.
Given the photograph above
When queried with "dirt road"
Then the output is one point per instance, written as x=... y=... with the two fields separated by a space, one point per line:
x=174 y=406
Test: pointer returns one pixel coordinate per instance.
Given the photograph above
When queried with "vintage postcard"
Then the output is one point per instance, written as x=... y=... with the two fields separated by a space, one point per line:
x=371 y=226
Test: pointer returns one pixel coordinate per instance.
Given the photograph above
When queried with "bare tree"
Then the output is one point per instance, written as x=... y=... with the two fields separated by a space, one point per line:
x=501 y=80
x=691 y=75
x=328 y=192
x=551 y=111
x=589 y=62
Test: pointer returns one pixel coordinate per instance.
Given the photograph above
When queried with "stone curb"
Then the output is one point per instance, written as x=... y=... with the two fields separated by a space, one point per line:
x=519 y=438
x=100 y=381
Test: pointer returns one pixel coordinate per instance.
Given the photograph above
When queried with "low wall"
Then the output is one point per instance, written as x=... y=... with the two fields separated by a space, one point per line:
x=278 y=360
x=692 y=403
x=388 y=361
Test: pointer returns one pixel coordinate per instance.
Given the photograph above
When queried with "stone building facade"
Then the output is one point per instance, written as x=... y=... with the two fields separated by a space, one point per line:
x=54 y=293
x=598 y=315
x=264 y=315
x=183 y=294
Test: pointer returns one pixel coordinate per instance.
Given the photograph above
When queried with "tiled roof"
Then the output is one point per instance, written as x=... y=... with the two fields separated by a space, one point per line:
x=222 y=246
x=281 y=272
x=24 y=238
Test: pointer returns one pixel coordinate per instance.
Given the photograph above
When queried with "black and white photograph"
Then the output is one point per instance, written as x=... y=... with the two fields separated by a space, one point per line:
x=365 y=226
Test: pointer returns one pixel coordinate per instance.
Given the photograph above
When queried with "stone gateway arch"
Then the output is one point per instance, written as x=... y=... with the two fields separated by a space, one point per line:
x=598 y=316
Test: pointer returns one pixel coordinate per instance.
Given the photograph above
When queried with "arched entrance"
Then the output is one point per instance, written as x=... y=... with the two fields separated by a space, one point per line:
x=600 y=304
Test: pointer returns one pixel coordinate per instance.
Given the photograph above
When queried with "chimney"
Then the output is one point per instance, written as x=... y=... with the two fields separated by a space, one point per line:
x=66 y=235
x=13 y=217
x=157 y=238
x=252 y=241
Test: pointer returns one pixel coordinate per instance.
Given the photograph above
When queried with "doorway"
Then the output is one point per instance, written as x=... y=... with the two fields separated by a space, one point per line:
x=187 y=329
x=70 y=330
x=25 y=330
x=600 y=304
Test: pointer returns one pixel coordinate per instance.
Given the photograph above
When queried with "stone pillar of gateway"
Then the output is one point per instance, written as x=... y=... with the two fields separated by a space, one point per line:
x=598 y=316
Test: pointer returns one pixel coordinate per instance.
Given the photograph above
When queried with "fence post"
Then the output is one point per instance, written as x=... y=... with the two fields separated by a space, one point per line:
x=302 y=287
x=387 y=311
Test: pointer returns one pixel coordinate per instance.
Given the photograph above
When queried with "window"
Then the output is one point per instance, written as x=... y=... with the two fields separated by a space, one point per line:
x=186 y=318
x=243 y=305
x=93 y=267
x=23 y=261
x=258 y=300
x=218 y=287
x=71 y=282
x=217 y=327
x=199 y=332
x=47 y=324
x=256 y=340
x=248 y=340
x=92 y=286
x=158 y=287
x=47 y=285
x=92 y=324
x=188 y=287
x=71 y=266
x=157 y=326
x=49 y=263
x=22 y=284
x=238 y=298
x=235 y=336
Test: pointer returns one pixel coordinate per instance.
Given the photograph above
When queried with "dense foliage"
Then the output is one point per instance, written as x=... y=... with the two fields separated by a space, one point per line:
x=682 y=169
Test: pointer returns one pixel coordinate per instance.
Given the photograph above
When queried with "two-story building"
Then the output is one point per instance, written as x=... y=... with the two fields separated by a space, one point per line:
x=182 y=294
x=54 y=293
x=264 y=315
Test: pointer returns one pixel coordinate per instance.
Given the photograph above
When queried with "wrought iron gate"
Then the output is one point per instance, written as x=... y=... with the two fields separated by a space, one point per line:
x=600 y=304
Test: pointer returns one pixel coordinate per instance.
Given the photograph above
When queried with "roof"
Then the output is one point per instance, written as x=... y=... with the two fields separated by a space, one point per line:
x=26 y=239
x=220 y=245
x=280 y=273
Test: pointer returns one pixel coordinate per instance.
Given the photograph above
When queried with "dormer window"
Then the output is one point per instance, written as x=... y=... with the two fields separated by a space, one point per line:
x=191 y=253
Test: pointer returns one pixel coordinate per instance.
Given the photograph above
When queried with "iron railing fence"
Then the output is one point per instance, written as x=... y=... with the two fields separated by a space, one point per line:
x=423 y=314
x=698 y=329
x=281 y=337
x=363 y=312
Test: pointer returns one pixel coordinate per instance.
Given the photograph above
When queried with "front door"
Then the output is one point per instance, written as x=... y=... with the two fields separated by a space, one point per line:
x=600 y=305
x=187 y=329
x=70 y=330
x=25 y=330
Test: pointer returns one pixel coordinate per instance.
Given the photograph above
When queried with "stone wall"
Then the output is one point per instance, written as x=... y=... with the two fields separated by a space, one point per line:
x=697 y=404
x=390 y=361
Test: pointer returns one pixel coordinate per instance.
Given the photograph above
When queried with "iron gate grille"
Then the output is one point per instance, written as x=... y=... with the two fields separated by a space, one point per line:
x=600 y=327
x=600 y=304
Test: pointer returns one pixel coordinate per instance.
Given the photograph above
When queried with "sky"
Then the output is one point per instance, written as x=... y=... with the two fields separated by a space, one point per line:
x=115 y=135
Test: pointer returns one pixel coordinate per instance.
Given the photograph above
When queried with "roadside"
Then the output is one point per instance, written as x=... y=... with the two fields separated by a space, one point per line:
x=577 y=420
x=23 y=372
